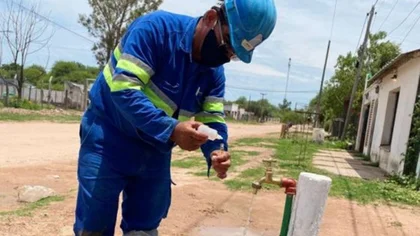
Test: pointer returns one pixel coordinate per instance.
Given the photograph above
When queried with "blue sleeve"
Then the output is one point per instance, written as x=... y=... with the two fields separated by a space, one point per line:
x=129 y=75
x=213 y=116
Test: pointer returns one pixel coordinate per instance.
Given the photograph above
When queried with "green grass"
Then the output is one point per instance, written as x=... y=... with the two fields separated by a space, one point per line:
x=231 y=120
x=197 y=162
x=28 y=209
x=238 y=157
x=6 y=116
x=189 y=162
x=291 y=161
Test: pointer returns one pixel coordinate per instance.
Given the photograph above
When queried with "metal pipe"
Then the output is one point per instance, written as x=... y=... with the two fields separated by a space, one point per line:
x=286 y=215
x=290 y=189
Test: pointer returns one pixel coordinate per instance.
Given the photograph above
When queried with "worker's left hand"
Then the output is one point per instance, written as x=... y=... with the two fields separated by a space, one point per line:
x=221 y=163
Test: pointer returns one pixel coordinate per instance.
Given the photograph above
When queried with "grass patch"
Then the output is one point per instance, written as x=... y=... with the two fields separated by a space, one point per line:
x=255 y=142
x=203 y=173
x=30 y=207
x=189 y=162
x=294 y=157
x=369 y=191
x=7 y=116
x=237 y=184
x=238 y=158
x=233 y=121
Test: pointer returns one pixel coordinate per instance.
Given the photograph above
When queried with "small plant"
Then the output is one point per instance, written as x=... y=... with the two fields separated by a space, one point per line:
x=340 y=144
x=28 y=209
x=407 y=181
x=24 y=104
x=413 y=146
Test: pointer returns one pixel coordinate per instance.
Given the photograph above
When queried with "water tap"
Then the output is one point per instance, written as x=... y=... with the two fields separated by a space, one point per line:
x=288 y=184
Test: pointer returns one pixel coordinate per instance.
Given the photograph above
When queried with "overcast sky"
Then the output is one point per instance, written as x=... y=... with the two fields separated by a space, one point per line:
x=302 y=32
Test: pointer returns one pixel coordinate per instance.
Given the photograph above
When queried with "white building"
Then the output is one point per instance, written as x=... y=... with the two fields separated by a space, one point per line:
x=231 y=110
x=388 y=104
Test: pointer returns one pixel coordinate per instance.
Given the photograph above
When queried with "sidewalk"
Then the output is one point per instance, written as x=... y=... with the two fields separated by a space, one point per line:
x=343 y=163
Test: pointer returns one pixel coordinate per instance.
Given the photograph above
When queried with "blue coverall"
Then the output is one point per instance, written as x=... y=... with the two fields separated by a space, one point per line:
x=149 y=85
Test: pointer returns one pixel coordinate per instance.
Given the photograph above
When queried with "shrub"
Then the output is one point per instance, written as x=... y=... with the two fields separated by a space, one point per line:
x=24 y=104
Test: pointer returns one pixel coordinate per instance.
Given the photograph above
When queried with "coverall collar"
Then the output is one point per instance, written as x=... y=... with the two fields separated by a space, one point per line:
x=188 y=37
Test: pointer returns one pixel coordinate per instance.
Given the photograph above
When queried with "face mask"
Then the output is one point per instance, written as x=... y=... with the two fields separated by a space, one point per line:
x=213 y=54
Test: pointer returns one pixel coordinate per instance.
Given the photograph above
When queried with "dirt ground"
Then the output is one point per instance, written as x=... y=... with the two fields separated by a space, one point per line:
x=45 y=154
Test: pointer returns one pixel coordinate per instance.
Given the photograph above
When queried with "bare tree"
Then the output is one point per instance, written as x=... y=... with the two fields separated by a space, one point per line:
x=28 y=34
x=109 y=20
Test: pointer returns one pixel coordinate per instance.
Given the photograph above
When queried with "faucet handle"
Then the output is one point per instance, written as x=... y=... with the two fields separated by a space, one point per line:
x=269 y=162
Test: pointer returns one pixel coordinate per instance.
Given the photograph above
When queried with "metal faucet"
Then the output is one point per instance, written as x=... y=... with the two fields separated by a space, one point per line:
x=289 y=184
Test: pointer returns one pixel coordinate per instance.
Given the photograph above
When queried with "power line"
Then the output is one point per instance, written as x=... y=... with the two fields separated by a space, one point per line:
x=361 y=33
x=374 y=18
x=402 y=22
x=412 y=27
x=51 y=21
x=268 y=90
x=389 y=14
x=333 y=19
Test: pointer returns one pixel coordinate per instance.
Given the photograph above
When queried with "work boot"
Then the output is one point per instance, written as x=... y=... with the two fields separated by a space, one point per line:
x=142 y=233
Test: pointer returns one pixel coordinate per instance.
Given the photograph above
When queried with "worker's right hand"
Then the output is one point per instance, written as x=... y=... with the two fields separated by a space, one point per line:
x=186 y=136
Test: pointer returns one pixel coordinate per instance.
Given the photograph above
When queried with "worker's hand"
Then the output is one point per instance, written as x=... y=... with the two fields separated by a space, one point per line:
x=187 y=137
x=221 y=163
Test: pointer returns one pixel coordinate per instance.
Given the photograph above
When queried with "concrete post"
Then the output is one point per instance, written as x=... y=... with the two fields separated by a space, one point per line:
x=309 y=204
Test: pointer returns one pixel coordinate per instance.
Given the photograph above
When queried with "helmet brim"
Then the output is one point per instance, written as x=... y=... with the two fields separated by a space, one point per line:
x=240 y=52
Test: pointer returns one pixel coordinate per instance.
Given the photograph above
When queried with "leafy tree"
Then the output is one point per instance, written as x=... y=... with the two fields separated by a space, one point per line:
x=71 y=71
x=10 y=70
x=35 y=73
x=109 y=20
x=64 y=68
x=285 y=105
x=242 y=102
x=337 y=90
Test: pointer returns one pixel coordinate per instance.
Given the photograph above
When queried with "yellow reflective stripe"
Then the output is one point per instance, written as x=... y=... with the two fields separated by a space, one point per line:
x=185 y=115
x=119 y=84
x=210 y=119
x=108 y=75
x=213 y=106
x=157 y=101
x=133 y=68
x=117 y=52
x=184 y=118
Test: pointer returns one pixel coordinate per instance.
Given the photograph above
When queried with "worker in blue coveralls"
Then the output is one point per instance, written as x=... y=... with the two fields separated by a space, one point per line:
x=166 y=69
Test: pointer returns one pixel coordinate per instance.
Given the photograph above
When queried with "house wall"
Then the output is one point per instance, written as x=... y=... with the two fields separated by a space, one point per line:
x=372 y=97
x=391 y=157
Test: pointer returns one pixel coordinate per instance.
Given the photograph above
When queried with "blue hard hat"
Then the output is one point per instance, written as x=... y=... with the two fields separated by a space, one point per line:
x=250 y=23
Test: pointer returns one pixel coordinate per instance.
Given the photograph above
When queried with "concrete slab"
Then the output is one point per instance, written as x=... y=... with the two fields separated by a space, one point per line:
x=346 y=164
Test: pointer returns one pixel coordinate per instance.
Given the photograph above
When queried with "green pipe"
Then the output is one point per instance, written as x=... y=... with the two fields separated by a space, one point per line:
x=286 y=215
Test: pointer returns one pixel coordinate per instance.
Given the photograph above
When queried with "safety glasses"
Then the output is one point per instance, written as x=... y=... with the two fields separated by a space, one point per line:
x=225 y=39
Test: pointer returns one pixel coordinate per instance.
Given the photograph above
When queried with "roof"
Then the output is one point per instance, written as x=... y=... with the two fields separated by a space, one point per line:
x=395 y=63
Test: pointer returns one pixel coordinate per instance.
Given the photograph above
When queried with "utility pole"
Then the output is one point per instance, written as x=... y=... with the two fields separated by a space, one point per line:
x=287 y=81
x=262 y=107
x=359 y=71
x=318 y=104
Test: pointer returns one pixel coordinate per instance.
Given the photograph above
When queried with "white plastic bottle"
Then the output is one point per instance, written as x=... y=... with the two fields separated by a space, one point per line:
x=211 y=133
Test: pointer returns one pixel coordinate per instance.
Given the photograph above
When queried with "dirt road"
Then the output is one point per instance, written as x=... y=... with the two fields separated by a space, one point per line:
x=45 y=154
x=33 y=143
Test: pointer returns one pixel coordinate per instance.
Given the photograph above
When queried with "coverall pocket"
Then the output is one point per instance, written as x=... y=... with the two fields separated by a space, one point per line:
x=86 y=127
